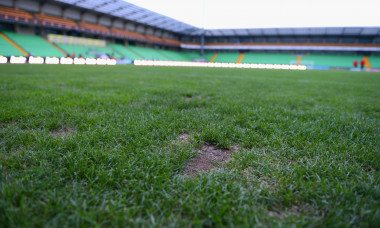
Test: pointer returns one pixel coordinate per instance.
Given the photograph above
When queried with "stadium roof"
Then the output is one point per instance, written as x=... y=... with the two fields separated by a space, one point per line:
x=330 y=31
x=120 y=8
x=123 y=9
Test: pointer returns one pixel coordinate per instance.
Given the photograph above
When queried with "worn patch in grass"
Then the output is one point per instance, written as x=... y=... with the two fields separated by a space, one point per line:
x=184 y=137
x=189 y=97
x=289 y=212
x=209 y=157
x=62 y=132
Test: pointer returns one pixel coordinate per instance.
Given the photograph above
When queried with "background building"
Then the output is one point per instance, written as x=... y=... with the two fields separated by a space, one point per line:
x=122 y=30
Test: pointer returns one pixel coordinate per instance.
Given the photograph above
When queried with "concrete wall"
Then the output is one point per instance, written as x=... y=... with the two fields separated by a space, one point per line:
x=130 y=27
x=140 y=29
x=149 y=31
x=72 y=14
x=23 y=29
x=29 y=5
x=52 y=9
x=106 y=21
x=118 y=23
x=165 y=35
x=6 y=3
x=158 y=33
x=89 y=17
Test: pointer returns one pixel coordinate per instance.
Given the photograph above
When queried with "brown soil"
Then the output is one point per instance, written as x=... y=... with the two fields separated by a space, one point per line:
x=292 y=211
x=209 y=157
x=184 y=137
x=189 y=98
x=63 y=132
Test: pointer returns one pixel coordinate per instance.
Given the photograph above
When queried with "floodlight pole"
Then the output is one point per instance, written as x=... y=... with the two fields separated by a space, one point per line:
x=203 y=30
x=203 y=42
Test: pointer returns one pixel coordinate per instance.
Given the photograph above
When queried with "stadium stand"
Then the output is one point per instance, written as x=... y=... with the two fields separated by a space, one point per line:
x=171 y=42
x=173 y=55
x=330 y=60
x=211 y=56
x=128 y=34
x=125 y=51
x=15 y=14
x=227 y=57
x=329 y=47
x=241 y=57
x=293 y=44
x=148 y=53
x=6 y=49
x=375 y=61
x=89 y=51
x=192 y=55
x=141 y=37
x=154 y=39
x=158 y=40
x=56 y=21
x=34 y=45
x=84 y=51
x=367 y=62
x=95 y=28
x=269 y=58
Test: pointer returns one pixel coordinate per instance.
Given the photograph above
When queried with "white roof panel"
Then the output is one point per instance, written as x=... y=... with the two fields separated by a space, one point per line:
x=334 y=31
x=285 y=31
x=128 y=11
x=228 y=32
x=317 y=31
x=351 y=31
x=270 y=32
x=301 y=31
x=132 y=12
x=215 y=32
x=241 y=32
x=255 y=32
x=370 y=31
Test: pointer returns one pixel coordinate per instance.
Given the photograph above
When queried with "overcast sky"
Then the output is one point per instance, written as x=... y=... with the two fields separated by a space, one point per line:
x=268 y=13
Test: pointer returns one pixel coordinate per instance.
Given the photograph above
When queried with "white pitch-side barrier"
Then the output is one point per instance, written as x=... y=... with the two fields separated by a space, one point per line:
x=220 y=65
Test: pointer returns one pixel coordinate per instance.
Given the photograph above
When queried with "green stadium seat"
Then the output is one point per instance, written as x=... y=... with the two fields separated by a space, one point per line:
x=89 y=51
x=34 y=44
x=209 y=56
x=192 y=55
x=174 y=56
x=269 y=58
x=148 y=53
x=125 y=52
x=227 y=57
x=375 y=61
x=7 y=49
x=330 y=60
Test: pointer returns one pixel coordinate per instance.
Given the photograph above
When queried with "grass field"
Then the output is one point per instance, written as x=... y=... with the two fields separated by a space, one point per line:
x=93 y=145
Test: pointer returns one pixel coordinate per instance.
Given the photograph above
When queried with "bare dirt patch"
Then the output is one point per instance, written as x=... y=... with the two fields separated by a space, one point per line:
x=209 y=157
x=189 y=98
x=294 y=210
x=184 y=137
x=6 y=125
x=63 y=132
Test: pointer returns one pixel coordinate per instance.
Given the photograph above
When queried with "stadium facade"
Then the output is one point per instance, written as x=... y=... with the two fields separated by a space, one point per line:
x=115 y=28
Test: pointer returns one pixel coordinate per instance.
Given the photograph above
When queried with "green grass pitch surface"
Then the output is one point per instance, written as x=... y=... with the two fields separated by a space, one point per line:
x=99 y=145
